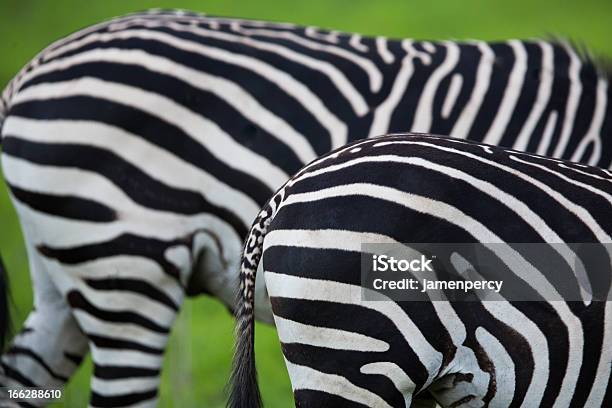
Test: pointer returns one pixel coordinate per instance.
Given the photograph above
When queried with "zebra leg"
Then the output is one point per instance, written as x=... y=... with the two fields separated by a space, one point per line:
x=330 y=361
x=51 y=346
x=126 y=306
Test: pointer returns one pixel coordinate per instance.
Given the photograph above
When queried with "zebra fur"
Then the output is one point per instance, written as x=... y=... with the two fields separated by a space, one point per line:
x=139 y=150
x=576 y=203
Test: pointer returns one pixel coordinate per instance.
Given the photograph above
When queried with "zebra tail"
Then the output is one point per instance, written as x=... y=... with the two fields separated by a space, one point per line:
x=3 y=112
x=5 y=316
x=244 y=388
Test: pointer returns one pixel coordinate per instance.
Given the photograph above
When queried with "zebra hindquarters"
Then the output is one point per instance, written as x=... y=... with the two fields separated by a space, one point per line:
x=346 y=349
x=114 y=266
x=340 y=350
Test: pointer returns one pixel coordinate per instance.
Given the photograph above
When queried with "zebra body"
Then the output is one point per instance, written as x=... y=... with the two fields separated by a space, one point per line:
x=139 y=150
x=342 y=350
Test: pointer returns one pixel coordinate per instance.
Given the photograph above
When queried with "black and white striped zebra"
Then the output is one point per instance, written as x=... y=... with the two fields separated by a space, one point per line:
x=139 y=150
x=344 y=351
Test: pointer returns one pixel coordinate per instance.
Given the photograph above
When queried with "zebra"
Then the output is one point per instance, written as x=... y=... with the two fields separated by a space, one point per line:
x=343 y=351
x=139 y=150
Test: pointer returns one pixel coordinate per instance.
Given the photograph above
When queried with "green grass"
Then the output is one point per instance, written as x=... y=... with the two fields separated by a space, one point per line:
x=197 y=363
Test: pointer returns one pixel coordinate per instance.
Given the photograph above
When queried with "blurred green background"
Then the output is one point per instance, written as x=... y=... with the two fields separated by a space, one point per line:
x=198 y=360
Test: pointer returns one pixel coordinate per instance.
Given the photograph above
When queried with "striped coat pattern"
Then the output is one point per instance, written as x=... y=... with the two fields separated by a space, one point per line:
x=342 y=350
x=139 y=150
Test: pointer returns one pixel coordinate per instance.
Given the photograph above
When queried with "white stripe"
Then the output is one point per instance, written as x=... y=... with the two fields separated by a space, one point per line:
x=297 y=90
x=383 y=51
x=33 y=370
x=538 y=345
x=306 y=378
x=551 y=123
x=374 y=74
x=290 y=331
x=573 y=99
x=451 y=96
x=424 y=111
x=207 y=133
x=121 y=386
x=129 y=267
x=593 y=135
x=511 y=94
x=472 y=107
x=382 y=114
x=515 y=205
x=587 y=187
x=505 y=380
x=336 y=76
x=602 y=377
x=584 y=173
x=280 y=285
x=63 y=232
x=230 y=92
x=120 y=331
x=173 y=171
x=120 y=357
x=398 y=377
x=580 y=212
x=122 y=300
x=313 y=32
x=328 y=239
x=428 y=46
x=523 y=269
x=544 y=91
x=356 y=43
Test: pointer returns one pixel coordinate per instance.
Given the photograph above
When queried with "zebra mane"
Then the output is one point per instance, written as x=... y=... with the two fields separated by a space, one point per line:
x=601 y=63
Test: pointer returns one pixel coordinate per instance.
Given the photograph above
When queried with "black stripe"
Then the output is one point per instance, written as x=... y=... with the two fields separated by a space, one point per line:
x=112 y=343
x=75 y=358
x=126 y=244
x=402 y=117
x=65 y=206
x=10 y=372
x=77 y=301
x=15 y=350
x=107 y=372
x=467 y=67
x=133 y=285
x=154 y=130
x=207 y=104
x=318 y=399
x=268 y=93
x=500 y=75
x=98 y=400
x=139 y=186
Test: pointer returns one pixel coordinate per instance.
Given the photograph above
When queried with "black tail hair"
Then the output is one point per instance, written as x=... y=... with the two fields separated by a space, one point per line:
x=244 y=389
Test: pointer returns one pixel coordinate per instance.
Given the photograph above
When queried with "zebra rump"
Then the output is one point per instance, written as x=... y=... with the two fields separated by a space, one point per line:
x=340 y=351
